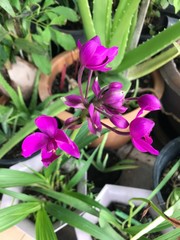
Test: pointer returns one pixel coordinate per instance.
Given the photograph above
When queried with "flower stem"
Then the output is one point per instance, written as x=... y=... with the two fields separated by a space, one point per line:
x=80 y=73
x=88 y=83
x=115 y=130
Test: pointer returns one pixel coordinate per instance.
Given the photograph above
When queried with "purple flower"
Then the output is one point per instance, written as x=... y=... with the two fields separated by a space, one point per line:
x=48 y=141
x=148 y=102
x=94 y=121
x=140 y=129
x=74 y=101
x=95 y=56
x=109 y=98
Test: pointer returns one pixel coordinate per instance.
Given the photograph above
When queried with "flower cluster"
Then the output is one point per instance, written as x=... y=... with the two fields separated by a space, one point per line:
x=108 y=101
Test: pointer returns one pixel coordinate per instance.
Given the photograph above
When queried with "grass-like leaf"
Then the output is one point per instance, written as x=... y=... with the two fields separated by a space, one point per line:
x=80 y=173
x=21 y=196
x=44 y=227
x=77 y=221
x=14 y=214
x=11 y=178
x=69 y=200
x=150 y=47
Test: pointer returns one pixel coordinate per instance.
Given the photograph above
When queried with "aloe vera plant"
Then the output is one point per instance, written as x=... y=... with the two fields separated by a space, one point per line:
x=119 y=29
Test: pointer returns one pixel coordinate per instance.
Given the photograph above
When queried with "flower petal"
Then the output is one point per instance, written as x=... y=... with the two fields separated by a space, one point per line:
x=74 y=101
x=94 y=122
x=141 y=127
x=66 y=144
x=143 y=146
x=47 y=125
x=149 y=102
x=34 y=143
x=116 y=85
x=94 y=56
x=119 y=121
x=96 y=87
x=48 y=157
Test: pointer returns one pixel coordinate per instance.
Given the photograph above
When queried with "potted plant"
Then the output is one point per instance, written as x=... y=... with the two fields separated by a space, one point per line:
x=49 y=185
x=58 y=144
x=131 y=225
x=27 y=32
x=14 y=115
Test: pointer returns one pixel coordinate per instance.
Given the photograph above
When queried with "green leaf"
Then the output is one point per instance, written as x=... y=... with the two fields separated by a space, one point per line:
x=3 y=33
x=10 y=216
x=121 y=28
x=12 y=178
x=52 y=110
x=34 y=97
x=66 y=12
x=6 y=5
x=102 y=18
x=111 y=218
x=150 y=47
x=21 y=196
x=107 y=227
x=72 y=201
x=11 y=92
x=59 y=20
x=16 y=4
x=48 y=3
x=44 y=227
x=152 y=64
x=77 y=221
x=176 y=4
x=64 y=40
x=80 y=173
x=86 y=17
x=29 y=47
x=42 y=62
x=173 y=235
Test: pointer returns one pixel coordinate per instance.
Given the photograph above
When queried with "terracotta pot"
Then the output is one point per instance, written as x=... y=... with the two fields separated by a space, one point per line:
x=61 y=60
x=114 y=141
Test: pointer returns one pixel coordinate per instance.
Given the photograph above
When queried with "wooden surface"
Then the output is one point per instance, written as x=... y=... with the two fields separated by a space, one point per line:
x=14 y=233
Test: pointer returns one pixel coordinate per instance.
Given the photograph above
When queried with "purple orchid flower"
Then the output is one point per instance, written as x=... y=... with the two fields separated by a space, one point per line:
x=140 y=129
x=110 y=101
x=94 y=121
x=95 y=56
x=148 y=102
x=48 y=141
x=74 y=101
x=109 y=98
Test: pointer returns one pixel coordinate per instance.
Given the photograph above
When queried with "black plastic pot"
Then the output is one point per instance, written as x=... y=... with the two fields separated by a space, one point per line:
x=168 y=154
x=171 y=96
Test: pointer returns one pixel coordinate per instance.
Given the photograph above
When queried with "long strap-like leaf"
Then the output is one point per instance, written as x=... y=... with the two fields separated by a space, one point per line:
x=150 y=47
